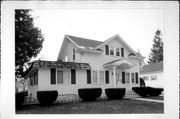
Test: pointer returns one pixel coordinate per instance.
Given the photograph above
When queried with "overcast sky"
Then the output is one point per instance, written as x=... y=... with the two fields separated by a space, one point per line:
x=136 y=26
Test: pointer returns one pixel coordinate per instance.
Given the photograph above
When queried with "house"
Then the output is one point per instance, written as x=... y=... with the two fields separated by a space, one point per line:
x=152 y=74
x=86 y=63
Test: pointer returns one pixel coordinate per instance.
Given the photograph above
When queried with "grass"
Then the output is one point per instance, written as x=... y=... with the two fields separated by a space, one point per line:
x=125 y=106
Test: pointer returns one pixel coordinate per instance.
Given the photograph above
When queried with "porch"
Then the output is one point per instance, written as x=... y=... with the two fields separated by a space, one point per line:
x=123 y=73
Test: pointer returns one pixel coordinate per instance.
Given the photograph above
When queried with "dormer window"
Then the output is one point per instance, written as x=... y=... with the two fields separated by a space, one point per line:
x=117 y=52
x=111 y=51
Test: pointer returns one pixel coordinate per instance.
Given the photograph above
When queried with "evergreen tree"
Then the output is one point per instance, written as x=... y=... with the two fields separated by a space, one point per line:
x=28 y=40
x=156 y=53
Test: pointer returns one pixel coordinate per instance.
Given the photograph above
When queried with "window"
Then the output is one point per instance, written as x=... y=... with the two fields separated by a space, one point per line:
x=111 y=51
x=127 y=77
x=101 y=77
x=60 y=77
x=145 y=78
x=107 y=49
x=66 y=77
x=132 y=77
x=74 y=54
x=153 y=78
x=94 y=77
x=122 y=52
x=117 y=52
x=73 y=76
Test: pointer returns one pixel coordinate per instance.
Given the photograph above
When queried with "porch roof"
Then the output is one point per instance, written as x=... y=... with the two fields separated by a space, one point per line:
x=56 y=64
x=123 y=63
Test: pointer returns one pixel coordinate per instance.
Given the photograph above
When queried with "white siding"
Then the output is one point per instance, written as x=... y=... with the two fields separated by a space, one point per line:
x=159 y=83
x=81 y=82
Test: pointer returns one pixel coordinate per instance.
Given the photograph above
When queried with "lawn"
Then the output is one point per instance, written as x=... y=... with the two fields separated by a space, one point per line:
x=125 y=106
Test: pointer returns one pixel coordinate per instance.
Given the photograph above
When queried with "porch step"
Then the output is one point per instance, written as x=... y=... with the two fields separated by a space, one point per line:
x=131 y=94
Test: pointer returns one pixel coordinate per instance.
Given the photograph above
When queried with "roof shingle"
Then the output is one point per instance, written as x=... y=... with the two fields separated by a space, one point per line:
x=152 y=67
x=85 y=42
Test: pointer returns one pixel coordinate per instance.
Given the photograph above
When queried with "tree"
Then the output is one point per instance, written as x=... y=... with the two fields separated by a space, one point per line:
x=28 y=40
x=156 y=53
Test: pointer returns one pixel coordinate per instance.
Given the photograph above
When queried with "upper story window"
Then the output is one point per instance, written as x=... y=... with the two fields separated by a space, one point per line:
x=111 y=50
x=117 y=52
x=74 y=55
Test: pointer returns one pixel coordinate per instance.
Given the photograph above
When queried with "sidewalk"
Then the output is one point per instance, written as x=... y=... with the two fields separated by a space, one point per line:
x=150 y=100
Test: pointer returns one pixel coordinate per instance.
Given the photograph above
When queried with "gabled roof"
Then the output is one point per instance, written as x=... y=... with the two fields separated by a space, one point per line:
x=84 y=42
x=117 y=36
x=152 y=67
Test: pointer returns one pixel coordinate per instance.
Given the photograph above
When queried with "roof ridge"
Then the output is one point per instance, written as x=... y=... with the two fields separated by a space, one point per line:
x=83 y=38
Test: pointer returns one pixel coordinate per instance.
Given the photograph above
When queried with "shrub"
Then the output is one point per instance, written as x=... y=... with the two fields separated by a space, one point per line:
x=115 y=93
x=155 y=91
x=147 y=91
x=20 y=96
x=47 y=97
x=89 y=94
x=142 y=91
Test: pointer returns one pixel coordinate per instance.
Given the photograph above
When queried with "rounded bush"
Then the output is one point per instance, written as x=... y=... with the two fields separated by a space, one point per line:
x=155 y=91
x=115 y=93
x=89 y=94
x=147 y=91
x=47 y=97
x=20 y=96
x=142 y=91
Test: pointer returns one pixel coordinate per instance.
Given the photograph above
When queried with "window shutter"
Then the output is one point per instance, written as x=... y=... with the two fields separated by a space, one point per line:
x=122 y=52
x=123 y=77
x=88 y=76
x=53 y=76
x=73 y=76
x=136 y=77
x=107 y=49
x=107 y=76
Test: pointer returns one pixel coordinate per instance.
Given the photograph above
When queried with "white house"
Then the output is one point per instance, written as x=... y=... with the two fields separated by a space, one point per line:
x=152 y=74
x=85 y=63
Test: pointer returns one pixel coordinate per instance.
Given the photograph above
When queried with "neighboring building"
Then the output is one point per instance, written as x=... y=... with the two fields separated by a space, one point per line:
x=85 y=63
x=152 y=74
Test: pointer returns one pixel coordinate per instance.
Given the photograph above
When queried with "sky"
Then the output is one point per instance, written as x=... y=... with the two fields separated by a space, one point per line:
x=136 y=26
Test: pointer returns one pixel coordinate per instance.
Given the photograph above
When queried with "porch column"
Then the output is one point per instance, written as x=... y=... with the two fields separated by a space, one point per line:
x=130 y=81
x=114 y=76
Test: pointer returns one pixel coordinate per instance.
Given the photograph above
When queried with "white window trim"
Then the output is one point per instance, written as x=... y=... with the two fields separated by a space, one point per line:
x=69 y=83
x=98 y=79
